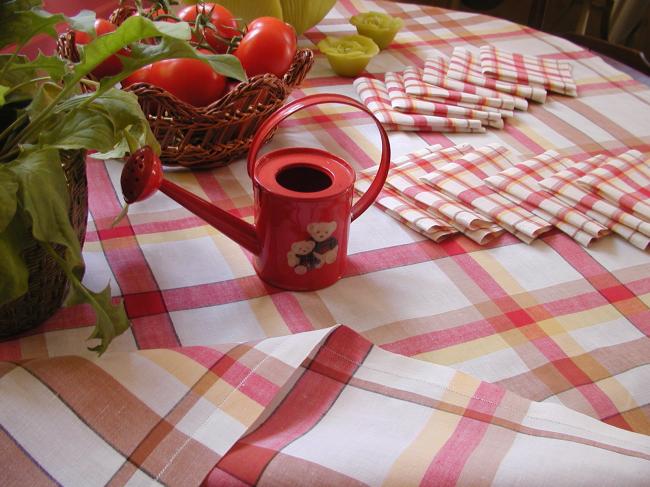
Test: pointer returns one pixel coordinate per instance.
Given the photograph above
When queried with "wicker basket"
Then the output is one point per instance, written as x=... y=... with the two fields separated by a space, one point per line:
x=214 y=135
x=48 y=284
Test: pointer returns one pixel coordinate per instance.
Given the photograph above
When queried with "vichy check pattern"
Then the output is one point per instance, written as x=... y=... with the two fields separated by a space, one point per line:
x=416 y=87
x=552 y=74
x=408 y=104
x=627 y=225
x=284 y=410
x=520 y=184
x=436 y=72
x=464 y=66
x=463 y=179
x=624 y=181
x=552 y=322
x=374 y=94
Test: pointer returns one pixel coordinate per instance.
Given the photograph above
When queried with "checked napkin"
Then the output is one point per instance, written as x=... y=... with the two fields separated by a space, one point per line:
x=402 y=102
x=624 y=181
x=324 y=407
x=464 y=67
x=419 y=203
x=564 y=185
x=435 y=73
x=552 y=74
x=415 y=86
x=463 y=179
x=401 y=208
x=374 y=95
x=520 y=184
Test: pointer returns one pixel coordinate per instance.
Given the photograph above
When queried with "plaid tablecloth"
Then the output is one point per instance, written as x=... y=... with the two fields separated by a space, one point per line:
x=554 y=336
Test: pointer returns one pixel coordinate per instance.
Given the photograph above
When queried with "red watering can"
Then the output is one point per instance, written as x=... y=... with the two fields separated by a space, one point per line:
x=303 y=203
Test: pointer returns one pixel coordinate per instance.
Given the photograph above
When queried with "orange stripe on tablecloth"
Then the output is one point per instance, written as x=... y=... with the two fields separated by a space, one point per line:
x=66 y=376
x=446 y=467
x=309 y=400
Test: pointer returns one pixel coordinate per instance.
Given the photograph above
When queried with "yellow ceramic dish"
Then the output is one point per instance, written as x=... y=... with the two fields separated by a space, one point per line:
x=348 y=55
x=380 y=27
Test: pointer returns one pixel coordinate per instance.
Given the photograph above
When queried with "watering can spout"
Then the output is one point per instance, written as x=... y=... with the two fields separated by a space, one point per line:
x=231 y=226
x=142 y=176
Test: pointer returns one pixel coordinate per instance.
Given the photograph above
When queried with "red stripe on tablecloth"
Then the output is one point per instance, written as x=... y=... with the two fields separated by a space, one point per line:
x=467 y=332
x=205 y=356
x=156 y=331
x=291 y=312
x=307 y=403
x=10 y=351
x=102 y=199
x=602 y=280
x=447 y=465
x=546 y=345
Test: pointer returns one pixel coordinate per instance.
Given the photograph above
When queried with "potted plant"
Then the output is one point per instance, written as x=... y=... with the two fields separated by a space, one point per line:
x=48 y=119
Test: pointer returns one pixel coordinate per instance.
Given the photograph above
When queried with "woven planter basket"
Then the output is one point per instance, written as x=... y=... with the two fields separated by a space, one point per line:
x=214 y=135
x=48 y=284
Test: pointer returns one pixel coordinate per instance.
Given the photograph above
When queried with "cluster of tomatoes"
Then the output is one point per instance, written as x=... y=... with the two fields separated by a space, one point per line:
x=268 y=45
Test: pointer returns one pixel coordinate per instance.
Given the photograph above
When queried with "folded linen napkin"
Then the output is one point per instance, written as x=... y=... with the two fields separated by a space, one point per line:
x=421 y=213
x=463 y=180
x=624 y=181
x=464 y=66
x=416 y=219
x=563 y=185
x=519 y=184
x=374 y=95
x=402 y=102
x=405 y=180
x=435 y=73
x=414 y=86
x=552 y=74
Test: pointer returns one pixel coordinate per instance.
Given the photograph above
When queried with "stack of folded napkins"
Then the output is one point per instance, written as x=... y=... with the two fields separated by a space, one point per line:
x=482 y=192
x=464 y=93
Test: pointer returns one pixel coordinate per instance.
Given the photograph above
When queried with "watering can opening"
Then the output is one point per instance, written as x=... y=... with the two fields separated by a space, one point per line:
x=303 y=178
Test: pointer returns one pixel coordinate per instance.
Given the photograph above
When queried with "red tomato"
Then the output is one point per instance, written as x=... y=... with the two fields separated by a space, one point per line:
x=220 y=17
x=269 y=46
x=141 y=75
x=110 y=66
x=190 y=80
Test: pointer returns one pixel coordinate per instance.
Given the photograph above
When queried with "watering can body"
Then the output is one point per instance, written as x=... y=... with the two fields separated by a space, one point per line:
x=303 y=207
x=303 y=204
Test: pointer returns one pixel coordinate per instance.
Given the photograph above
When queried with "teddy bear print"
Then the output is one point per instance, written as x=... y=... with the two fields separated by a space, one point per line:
x=327 y=247
x=302 y=258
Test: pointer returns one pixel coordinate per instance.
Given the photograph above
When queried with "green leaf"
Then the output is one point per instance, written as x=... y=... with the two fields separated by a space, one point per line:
x=19 y=27
x=8 y=189
x=45 y=95
x=15 y=275
x=15 y=70
x=133 y=29
x=169 y=48
x=80 y=129
x=43 y=195
x=100 y=123
x=3 y=90
x=111 y=318
x=172 y=45
x=83 y=21
x=123 y=110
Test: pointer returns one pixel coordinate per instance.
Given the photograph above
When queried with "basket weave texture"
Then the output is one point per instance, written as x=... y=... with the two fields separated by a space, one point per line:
x=48 y=283
x=214 y=135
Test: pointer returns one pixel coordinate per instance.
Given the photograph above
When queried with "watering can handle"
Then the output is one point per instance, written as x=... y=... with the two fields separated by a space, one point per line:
x=270 y=123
